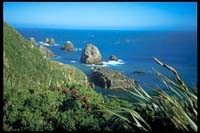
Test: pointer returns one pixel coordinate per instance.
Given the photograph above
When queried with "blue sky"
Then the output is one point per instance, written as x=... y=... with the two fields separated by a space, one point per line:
x=102 y=15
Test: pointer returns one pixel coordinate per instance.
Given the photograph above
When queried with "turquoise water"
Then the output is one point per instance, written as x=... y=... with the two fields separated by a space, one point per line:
x=135 y=50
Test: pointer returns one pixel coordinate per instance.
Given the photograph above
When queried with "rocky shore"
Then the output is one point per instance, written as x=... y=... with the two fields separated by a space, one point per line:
x=110 y=79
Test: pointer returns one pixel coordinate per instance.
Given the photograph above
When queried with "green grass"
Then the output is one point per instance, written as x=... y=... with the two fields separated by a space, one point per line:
x=23 y=59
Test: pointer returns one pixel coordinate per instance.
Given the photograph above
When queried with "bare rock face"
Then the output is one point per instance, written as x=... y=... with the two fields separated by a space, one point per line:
x=109 y=79
x=68 y=46
x=91 y=55
x=46 y=52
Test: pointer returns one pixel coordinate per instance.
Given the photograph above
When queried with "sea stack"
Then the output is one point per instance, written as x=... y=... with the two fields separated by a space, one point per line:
x=68 y=46
x=52 y=41
x=91 y=55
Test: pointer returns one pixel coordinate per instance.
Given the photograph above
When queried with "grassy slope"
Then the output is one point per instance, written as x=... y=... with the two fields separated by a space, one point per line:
x=22 y=59
x=29 y=103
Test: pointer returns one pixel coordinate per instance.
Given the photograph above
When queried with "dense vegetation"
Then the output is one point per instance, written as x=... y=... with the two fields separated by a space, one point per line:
x=40 y=94
x=31 y=101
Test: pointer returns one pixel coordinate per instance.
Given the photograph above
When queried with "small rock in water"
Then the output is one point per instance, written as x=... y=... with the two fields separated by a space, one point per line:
x=139 y=72
x=68 y=46
x=113 y=58
x=52 y=41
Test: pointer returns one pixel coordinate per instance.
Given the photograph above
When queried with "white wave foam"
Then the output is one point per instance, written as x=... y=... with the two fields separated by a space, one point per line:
x=78 y=49
x=107 y=63
x=56 y=44
x=113 y=63
x=46 y=44
x=73 y=61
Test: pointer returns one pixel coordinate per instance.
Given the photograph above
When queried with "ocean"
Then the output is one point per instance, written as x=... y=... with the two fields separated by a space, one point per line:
x=135 y=50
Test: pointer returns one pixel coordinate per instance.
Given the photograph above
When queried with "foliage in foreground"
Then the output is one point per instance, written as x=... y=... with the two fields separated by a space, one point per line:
x=174 y=109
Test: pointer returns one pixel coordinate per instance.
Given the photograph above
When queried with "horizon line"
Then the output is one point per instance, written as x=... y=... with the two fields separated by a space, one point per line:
x=65 y=27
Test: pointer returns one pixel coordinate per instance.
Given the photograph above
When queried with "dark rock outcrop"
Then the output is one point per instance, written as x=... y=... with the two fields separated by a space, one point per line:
x=92 y=85
x=46 y=52
x=68 y=46
x=107 y=78
x=139 y=72
x=113 y=58
x=91 y=55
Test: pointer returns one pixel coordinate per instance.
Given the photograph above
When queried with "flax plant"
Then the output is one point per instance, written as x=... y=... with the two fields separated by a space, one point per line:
x=175 y=107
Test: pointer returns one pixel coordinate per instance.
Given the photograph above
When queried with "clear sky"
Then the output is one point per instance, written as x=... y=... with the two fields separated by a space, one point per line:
x=102 y=15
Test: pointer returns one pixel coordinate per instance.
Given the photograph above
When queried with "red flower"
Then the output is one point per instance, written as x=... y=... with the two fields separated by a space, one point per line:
x=84 y=99
x=64 y=90
x=86 y=106
x=74 y=91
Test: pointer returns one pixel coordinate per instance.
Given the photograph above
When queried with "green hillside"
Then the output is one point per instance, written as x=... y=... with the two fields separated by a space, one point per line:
x=30 y=99
x=23 y=59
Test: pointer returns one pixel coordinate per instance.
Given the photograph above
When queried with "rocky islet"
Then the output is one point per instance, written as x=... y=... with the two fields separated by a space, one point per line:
x=50 y=42
x=91 y=55
x=68 y=46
